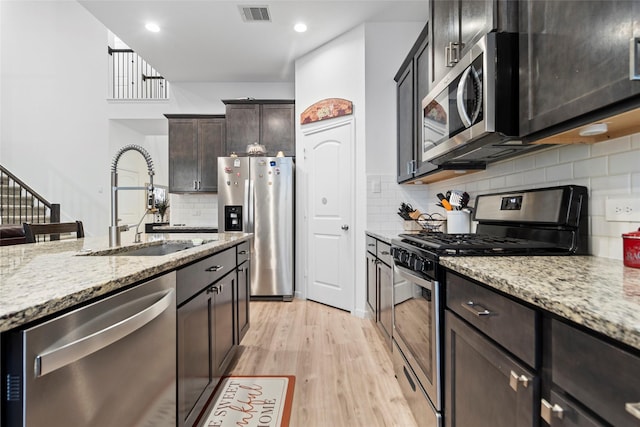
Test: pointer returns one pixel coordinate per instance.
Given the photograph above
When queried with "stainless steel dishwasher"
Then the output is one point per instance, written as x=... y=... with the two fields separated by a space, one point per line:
x=110 y=363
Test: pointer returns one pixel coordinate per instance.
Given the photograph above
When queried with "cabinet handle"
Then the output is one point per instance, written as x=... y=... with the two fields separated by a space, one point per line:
x=447 y=55
x=515 y=379
x=214 y=289
x=634 y=55
x=409 y=379
x=371 y=244
x=473 y=307
x=215 y=268
x=241 y=270
x=242 y=252
x=384 y=253
x=549 y=411
x=633 y=409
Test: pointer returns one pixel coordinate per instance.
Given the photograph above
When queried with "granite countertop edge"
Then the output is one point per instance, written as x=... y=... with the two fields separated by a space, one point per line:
x=38 y=280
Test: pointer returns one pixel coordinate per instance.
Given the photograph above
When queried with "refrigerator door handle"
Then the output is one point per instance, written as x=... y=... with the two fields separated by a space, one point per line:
x=249 y=209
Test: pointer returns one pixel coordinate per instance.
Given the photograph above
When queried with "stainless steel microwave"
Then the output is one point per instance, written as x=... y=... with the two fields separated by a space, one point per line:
x=472 y=114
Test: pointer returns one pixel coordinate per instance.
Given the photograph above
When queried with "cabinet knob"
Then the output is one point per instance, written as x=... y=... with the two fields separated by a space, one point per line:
x=515 y=380
x=345 y=227
x=549 y=411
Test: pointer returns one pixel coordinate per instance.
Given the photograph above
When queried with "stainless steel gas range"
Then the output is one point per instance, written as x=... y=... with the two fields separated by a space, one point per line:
x=546 y=221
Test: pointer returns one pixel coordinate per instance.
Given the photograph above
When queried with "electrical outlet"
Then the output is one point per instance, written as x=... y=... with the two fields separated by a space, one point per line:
x=623 y=209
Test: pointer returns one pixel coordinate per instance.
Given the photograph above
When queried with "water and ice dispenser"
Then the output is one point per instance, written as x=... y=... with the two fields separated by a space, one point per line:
x=233 y=218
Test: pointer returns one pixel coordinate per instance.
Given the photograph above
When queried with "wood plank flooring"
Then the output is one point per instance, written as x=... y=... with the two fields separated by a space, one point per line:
x=344 y=374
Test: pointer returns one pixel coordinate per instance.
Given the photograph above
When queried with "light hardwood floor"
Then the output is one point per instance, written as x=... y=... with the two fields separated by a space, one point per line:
x=344 y=375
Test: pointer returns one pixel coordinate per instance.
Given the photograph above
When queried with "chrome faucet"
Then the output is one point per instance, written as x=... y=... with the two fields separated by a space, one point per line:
x=114 y=228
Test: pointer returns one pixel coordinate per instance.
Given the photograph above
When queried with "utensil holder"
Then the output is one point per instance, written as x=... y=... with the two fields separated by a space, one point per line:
x=458 y=222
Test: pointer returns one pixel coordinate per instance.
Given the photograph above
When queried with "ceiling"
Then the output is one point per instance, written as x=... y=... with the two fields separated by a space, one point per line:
x=208 y=40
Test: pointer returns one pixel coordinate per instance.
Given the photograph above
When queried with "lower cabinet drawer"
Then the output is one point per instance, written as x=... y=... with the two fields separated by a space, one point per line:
x=602 y=377
x=243 y=251
x=572 y=414
x=421 y=407
x=508 y=322
x=195 y=277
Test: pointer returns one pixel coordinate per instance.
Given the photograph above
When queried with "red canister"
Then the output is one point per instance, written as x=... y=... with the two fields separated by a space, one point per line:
x=631 y=249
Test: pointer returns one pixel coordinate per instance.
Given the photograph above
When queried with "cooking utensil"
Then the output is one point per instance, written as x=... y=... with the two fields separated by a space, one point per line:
x=446 y=204
x=440 y=196
x=465 y=199
x=456 y=199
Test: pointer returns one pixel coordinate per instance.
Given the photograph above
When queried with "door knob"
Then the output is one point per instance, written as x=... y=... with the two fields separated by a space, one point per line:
x=345 y=227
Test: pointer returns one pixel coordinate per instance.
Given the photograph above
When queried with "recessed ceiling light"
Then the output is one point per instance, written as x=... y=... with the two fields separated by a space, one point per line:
x=152 y=27
x=300 y=27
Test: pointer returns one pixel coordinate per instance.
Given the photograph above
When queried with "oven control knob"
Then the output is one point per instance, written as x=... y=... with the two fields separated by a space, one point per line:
x=423 y=265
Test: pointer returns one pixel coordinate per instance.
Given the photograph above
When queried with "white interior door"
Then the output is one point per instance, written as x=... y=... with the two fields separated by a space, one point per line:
x=328 y=151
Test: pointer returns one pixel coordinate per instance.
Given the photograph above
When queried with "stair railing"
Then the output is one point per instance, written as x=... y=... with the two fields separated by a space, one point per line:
x=19 y=203
x=131 y=77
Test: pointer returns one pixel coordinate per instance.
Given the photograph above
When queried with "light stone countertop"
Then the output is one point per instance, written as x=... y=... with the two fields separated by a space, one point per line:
x=40 y=279
x=598 y=293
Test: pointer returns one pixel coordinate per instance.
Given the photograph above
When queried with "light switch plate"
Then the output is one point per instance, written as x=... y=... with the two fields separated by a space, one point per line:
x=625 y=209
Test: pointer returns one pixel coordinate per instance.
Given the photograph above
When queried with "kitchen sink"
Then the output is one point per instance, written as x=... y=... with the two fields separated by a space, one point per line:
x=155 y=249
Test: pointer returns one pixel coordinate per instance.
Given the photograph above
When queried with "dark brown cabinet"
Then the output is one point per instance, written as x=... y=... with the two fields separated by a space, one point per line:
x=380 y=285
x=243 y=295
x=412 y=86
x=372 y=283
x=484 y=385
x=590 y=375
x=267 y=122
x=459 y=24
x=195 y=143
x=575 y=63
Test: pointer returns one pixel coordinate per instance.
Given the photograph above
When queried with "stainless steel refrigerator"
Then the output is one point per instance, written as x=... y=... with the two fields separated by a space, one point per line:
x=256 y=195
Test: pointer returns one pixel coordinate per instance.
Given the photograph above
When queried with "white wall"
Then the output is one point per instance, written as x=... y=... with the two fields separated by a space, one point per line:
x=53 y=102
x=54 y=130
x=358 y=66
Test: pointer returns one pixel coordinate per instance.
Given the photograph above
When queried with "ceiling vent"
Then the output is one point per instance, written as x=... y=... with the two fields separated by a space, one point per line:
x=255 y=13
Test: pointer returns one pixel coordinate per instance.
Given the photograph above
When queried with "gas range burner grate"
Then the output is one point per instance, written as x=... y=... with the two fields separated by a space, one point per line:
x=477 y=244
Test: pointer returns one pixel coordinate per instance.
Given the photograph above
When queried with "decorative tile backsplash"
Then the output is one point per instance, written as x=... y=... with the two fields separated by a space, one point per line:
x=607 y=169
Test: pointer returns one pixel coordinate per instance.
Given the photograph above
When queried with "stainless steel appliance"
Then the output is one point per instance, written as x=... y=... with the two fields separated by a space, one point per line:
x=547 y=221
x=256 y=195
x=471 y=116
x=110 y=363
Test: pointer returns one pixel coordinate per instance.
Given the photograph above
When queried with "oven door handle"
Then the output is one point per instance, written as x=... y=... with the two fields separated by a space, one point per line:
x=414 y=278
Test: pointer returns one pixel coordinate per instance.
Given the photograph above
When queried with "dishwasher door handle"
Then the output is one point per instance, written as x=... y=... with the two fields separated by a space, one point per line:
x=56 y=358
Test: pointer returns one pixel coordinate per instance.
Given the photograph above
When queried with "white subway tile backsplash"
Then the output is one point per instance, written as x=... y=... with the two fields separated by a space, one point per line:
x=590 y=167
x=610 y=168
x=615 y=184
x=546 y=158
x=573 y=152
x=627 y=162
x=609 y=147
x=559 y=172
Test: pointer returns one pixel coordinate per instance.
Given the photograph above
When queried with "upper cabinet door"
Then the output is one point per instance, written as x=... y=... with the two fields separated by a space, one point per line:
x=444 y=32
x=574 y=59
x=183 y=154
x=277 y=130
x=459 y=24
x=211 y=138
x=406 y=125
x=243 y=127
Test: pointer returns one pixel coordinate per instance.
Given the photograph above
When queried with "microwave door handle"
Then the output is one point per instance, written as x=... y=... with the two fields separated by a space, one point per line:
x=462 y=110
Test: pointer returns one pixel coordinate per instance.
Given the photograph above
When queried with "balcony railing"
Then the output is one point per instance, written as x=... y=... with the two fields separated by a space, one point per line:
x=131 y=77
